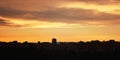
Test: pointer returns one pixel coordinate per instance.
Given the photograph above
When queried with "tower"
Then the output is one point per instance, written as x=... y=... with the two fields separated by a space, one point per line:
x=54 y=41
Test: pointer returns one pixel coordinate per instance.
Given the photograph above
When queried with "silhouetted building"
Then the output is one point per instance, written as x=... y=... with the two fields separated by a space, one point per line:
x=54 y=41
x=25 y=42
x=38 y=42
x=15 y=42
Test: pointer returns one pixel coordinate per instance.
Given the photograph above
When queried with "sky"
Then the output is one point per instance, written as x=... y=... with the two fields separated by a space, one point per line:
x=66 y=20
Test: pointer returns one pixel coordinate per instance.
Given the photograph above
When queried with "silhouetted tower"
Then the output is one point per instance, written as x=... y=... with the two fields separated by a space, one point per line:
x=54 y=41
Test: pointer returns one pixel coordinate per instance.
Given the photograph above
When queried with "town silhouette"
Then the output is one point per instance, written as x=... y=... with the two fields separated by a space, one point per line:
x=94 y=49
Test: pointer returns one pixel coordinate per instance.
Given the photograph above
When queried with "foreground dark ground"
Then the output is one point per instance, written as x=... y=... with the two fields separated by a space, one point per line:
x=60 y=51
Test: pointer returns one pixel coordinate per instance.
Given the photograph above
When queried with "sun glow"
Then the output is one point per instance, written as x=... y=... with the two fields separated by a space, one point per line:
x=102 y=8
x=66 y=20
x=41 y=24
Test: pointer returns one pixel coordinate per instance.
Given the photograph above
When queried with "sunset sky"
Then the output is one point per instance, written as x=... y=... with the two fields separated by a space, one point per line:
x=66 y=20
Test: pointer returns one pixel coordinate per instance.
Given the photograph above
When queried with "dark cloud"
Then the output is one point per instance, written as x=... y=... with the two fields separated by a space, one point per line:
x=3 y=22
x=76 y=14
x=11 y=12
x=67 y=15
x=6 y=23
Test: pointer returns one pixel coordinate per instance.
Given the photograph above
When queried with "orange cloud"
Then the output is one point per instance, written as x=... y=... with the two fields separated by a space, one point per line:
x=101 y=2
x=49 y=11
x=65 y=15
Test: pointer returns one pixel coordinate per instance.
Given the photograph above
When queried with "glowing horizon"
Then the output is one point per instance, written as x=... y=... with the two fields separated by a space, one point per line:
x=67 y=20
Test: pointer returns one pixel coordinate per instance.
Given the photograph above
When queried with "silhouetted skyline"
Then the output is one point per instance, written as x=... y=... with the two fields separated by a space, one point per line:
x=62 y=50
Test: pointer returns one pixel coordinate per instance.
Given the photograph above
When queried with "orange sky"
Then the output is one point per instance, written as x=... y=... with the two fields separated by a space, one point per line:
x=66 y=20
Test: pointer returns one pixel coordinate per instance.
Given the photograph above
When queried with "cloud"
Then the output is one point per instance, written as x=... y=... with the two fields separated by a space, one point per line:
x=65 y=15
x=3 y=22
x=76 y=14
x=39 y=5
x=11 y=12
x=103 y=2
x=7 y=23
x=31 y=5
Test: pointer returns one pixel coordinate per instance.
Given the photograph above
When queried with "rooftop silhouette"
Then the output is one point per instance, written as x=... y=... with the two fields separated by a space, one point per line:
x=54 y=41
